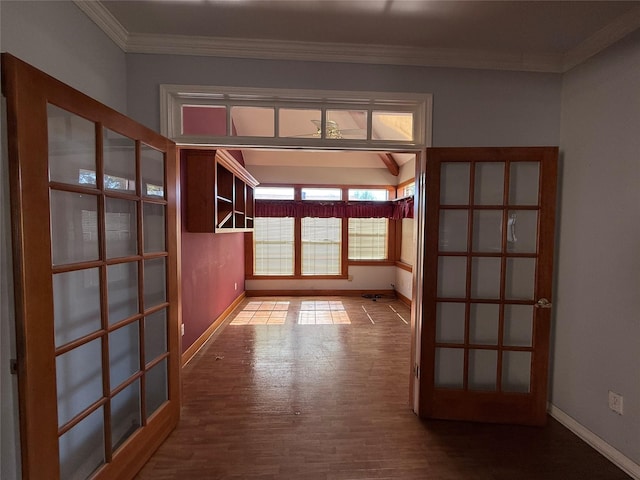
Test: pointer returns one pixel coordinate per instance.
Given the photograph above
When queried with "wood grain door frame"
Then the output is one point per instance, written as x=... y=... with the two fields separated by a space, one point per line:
x=28 y=92
x=464 y=404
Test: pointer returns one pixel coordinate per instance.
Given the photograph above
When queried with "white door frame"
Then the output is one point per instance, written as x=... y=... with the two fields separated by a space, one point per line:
x=173 y=97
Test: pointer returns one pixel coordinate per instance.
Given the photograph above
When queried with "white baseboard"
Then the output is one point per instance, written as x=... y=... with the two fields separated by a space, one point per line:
x=614 y=456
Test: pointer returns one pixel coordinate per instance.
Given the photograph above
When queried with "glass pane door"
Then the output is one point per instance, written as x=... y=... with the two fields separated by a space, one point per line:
x=489 y=266
x=99 y=355
x=109 y=276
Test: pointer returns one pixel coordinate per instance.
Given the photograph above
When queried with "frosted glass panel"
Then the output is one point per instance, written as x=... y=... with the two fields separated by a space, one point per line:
x=523 y=183
x=449 y=369
x=152 y=162
x=482 y=369
x=154 y=227
x=125 y=414
x=121 y=227
x=74 y=227
x=72 y=148
x=119 y=162
x=518 y=325
x=156 y=391
x=124 y=353
x=516 y=371
x=485 y=277
x=82 y=448
x=450 y=322
x=522 y=231
x=454 y=183
x=155 y=284
x=452 y=277
x=520 y=278
x=453 y=230
x=76 y=304
x=483 y=323
x=155 y=335
x=489 y=183
x=487 y=231
x=79 y=379
x=122 y=290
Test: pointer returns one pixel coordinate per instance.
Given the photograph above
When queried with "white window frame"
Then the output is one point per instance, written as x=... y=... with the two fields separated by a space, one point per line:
x=353 y=236
x=174 y=97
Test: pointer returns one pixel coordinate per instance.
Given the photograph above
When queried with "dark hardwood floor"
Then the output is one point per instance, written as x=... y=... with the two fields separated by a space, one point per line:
x=270 y=398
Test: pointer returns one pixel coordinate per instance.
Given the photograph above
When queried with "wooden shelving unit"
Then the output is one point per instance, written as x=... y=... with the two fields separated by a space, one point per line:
x=219 y=193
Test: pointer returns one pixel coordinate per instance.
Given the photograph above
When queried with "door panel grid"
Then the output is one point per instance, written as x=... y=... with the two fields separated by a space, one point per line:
x=483 y=191
x=93 y=203
x=93 y=369
x=489 y=260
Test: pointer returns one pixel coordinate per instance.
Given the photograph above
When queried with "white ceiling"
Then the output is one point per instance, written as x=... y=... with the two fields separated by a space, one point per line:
x=515 y=35
x=550 y=36
x=544 y=27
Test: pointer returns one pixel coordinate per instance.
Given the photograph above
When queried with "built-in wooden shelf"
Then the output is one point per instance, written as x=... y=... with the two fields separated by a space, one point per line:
x=219 y=193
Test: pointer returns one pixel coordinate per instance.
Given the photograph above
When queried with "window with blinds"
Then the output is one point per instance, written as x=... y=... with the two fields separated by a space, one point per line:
x=273 y=246
x=368 y=238
x=407 y=246
x=321 y=246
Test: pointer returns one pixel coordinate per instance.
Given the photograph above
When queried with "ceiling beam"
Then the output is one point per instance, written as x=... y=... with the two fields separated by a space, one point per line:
x=390 y=163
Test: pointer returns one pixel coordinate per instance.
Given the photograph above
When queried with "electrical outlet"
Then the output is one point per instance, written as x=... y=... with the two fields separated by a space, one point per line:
x=615 y=402
x=182 y=328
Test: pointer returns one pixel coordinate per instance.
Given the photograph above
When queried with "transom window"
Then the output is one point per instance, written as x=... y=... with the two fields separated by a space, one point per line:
x=219 y=115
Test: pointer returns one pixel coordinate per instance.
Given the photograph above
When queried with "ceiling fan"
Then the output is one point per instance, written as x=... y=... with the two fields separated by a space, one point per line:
x=332 y=130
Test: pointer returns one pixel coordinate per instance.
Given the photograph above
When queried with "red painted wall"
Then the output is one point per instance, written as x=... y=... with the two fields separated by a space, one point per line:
x=211 y=264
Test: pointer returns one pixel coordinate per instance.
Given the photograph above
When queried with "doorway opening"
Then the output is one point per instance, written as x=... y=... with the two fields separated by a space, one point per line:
x=319 y=139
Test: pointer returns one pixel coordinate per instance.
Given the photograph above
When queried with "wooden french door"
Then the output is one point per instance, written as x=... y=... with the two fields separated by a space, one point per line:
x=488 y=262
x=95 y=232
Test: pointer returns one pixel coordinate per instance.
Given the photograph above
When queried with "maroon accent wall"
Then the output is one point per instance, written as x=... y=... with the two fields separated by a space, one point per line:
x=211 y=264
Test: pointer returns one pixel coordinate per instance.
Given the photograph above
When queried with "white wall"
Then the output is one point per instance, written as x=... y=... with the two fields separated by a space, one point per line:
x=404 y=282
x=58 y=38
x=407 y=171
x=597 y=304
x=362 y=278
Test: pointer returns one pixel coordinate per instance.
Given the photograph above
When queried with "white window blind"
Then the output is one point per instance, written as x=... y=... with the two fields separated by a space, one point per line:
x=407 y=248
x=273 y=246
x=321 y=246
x=368 y=238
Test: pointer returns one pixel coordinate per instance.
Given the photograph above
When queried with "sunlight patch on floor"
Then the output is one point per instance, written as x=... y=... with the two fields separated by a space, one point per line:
x=323 y=313
x=262 y=313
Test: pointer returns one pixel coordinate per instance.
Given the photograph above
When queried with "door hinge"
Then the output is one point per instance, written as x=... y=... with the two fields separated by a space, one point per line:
x=13 y=366
x=416 y=371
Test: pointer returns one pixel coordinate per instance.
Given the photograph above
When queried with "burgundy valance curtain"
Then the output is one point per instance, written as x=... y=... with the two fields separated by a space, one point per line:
x=394 y=209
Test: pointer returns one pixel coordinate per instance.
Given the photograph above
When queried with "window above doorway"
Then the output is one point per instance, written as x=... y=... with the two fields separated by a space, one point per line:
x=193 y=115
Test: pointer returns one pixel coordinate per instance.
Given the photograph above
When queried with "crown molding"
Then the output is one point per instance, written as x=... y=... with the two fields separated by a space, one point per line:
x=356 y=53
x=603 y=38
x=339 y=52
x=103 y=18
